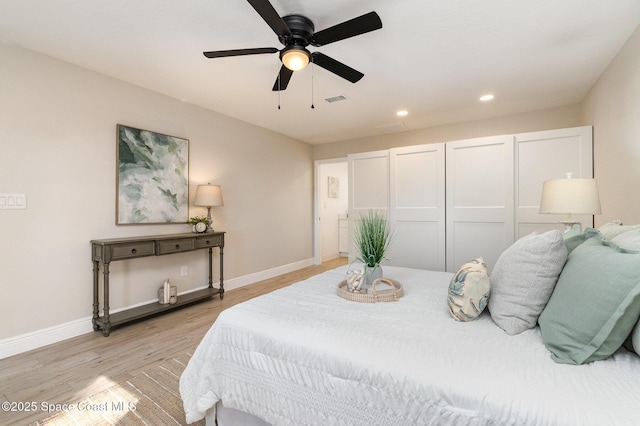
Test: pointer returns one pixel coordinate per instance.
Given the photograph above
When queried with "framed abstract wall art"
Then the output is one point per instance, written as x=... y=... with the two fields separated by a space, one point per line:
x=152 y=177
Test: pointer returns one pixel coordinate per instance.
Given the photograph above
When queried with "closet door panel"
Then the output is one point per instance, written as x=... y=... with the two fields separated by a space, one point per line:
x=541 y=156
x=368 y=188
x=415 y=183
x=417 y=207
x=479 y=184
x=416 y=245
x=369 y=181
x=477 y=239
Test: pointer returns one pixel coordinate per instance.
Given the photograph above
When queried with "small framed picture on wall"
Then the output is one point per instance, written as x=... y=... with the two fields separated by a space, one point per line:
x=334 y=187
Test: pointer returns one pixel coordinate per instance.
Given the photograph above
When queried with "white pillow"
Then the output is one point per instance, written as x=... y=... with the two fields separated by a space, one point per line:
x=629 y=240
x=469 y=290
x=524 y=278
x=614 y=228
x=635 y=338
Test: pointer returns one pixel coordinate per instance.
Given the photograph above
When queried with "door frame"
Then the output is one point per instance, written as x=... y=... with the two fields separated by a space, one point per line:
x=317 y=237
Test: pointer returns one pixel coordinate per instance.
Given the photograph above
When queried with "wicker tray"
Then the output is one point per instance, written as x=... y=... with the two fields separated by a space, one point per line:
x=388 y=295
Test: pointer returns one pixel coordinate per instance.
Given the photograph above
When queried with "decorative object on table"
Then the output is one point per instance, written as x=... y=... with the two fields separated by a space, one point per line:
x=372 y=237
x=568 y=197
x=152 y=177
x=392 y=294
x=198 y=224
x=208 y=196
x=356 y=281
x=167 y=294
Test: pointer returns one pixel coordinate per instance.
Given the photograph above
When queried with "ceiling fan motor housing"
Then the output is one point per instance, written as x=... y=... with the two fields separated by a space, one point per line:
x=301 y=29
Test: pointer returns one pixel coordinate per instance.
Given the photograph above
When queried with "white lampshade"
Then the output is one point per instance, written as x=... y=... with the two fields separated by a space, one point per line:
x=295 y=58
x=208 y=196
x=570 y=196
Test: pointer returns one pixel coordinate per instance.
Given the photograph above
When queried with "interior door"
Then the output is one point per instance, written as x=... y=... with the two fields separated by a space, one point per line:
x=547 y=155
x=417 y=206
x=479 y=182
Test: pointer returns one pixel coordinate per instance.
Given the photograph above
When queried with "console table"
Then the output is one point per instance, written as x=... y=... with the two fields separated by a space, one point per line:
x=109 y=250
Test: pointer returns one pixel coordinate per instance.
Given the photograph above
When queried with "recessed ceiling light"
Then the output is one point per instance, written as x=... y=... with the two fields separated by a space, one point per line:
x=402 y=113
x=486 y=98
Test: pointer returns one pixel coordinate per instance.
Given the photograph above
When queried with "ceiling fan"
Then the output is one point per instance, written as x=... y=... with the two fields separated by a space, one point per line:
x=296 y=32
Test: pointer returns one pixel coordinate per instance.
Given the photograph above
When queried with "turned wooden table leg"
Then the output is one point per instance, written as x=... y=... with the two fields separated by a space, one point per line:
x=106 y=324
x=96 y=303
x=221 y=272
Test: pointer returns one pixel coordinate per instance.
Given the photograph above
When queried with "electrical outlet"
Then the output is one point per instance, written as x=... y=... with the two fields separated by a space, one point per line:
x=184 y=271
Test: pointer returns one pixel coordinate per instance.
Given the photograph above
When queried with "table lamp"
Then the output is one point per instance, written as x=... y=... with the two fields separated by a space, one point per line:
x=568 y=197
x=208 y=196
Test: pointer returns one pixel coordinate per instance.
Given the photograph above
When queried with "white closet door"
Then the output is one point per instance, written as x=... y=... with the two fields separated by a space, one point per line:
x=417 y=207
x=480 y=217
x=368 y=187
x=546 y=155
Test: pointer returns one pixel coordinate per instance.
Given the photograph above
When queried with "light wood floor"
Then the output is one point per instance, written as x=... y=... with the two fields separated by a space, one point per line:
x=69 y=371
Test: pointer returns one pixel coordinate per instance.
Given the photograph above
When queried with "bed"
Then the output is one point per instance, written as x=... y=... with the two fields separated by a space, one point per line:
x=302 y=355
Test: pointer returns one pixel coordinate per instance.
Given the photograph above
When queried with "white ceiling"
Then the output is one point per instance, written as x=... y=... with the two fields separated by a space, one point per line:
x=433 y=58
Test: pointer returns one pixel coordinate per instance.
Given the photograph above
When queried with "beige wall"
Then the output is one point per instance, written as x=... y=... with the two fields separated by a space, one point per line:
x=556 y=118
x=613 y=106
x=57 y=139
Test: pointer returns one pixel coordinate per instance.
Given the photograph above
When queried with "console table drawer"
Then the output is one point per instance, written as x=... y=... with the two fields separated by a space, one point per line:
x=209 y=241
x=125 y=251
x=174 y=246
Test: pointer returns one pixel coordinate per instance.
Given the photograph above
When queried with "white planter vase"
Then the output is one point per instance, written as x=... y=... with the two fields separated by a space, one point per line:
x=371 y=274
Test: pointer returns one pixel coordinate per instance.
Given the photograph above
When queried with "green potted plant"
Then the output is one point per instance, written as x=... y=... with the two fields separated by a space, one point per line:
x=372 y=237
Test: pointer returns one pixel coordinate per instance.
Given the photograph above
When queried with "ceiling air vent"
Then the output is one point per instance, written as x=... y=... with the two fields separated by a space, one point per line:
x=336 y=99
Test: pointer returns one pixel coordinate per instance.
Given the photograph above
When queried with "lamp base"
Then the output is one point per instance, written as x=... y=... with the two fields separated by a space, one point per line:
x=569 y=225
x=209 y=228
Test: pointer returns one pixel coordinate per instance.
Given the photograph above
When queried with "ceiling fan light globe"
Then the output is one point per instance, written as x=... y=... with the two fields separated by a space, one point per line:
x=295 y=59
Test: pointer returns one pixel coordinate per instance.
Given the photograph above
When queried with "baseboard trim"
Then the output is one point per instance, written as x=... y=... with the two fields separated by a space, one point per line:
x=57 y=333
x=46 y=336
x=265 y=275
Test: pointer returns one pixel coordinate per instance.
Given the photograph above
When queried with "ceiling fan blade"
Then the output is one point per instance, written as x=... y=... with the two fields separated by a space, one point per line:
x=338 y=68
x=282 y=81
x=271 y=17
x=239 y=52
x=353 y=27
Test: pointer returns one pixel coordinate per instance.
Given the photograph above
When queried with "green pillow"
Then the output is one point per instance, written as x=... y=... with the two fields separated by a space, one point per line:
x=571 y=241
x=595 y=303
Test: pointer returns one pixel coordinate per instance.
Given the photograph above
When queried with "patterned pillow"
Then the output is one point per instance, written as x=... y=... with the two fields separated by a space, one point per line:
x=469 y=290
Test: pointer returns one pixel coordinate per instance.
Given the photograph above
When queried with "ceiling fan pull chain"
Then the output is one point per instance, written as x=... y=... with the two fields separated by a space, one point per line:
x=278 y=85
x=312 y=67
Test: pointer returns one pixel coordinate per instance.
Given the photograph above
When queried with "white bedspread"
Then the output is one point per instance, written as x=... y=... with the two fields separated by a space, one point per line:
x=304 y=356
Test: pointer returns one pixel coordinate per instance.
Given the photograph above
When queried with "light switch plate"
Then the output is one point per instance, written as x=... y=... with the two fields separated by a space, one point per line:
x=13 y=201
